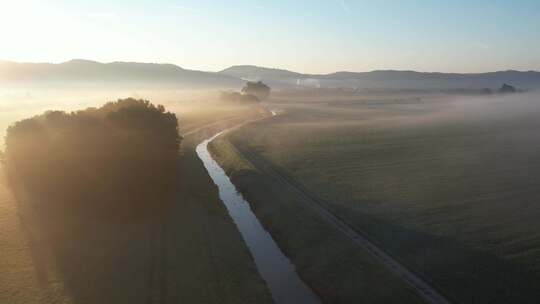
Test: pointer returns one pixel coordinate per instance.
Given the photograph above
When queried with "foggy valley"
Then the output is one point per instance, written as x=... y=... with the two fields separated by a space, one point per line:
x=282 y=152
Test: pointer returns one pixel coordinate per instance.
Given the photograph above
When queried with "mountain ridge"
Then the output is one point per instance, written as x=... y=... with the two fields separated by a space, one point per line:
x=396 y=79
x=82 y=70
x=232 y=68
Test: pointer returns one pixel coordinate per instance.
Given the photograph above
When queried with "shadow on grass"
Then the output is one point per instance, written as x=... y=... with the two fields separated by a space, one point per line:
x=90 y=258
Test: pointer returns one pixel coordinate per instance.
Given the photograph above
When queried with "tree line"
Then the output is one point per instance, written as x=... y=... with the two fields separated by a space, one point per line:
x=252 y=92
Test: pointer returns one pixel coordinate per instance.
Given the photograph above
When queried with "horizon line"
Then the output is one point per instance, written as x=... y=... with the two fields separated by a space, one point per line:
x=263 y=67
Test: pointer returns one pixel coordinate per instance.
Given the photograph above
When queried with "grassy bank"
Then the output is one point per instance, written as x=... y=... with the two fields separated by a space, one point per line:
x=193 y=254
x=326 y=260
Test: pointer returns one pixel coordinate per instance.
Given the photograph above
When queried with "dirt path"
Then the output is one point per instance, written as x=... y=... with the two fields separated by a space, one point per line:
x=421 y=286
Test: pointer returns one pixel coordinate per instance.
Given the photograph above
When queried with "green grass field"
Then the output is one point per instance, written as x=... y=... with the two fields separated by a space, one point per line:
x=447 y=185
x=194 y=254
x=325 y=259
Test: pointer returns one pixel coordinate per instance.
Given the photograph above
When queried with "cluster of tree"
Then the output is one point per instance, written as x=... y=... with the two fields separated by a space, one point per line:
x=259 y=89
x=506 y=88
x=117 y=159
x=250 y=93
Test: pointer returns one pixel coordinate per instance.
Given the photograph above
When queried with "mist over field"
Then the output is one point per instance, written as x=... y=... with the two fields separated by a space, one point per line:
x=92 y=186
x=18 y=103
x=402 y=166
x=503 y=106
x=269 y=152
x=445 y=182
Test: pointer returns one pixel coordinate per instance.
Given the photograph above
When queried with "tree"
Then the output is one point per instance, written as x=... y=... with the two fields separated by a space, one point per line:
x=258 y=89
x=506 y=88
x=120 y=159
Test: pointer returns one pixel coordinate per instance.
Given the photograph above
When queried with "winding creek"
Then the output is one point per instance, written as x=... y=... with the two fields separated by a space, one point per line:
x=274 y=267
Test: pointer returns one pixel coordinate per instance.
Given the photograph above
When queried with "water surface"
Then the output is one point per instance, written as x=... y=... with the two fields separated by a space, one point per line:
x=274 y=267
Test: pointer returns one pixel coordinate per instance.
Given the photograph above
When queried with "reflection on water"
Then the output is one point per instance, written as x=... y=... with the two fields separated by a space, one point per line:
x=275 y=268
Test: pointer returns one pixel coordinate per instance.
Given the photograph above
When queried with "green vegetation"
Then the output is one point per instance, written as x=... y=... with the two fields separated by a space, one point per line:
x=253 y=92
x=258 y=89
x=506 y=88
x=326 y=260
x=110 y=157
x=447 y=186
x=192 y=253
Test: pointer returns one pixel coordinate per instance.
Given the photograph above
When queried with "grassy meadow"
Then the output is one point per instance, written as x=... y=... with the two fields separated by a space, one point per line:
x=325 y=259
x=447 y=184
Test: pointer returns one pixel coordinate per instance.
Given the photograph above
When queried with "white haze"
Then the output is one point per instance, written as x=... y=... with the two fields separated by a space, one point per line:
x=17 y=103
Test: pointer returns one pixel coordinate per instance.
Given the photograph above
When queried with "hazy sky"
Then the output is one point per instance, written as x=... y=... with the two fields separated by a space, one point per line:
x=308 y=36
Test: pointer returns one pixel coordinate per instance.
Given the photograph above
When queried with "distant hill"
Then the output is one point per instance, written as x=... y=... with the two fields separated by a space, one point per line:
x=85 y=71
x=389 y=79
x=250 y=72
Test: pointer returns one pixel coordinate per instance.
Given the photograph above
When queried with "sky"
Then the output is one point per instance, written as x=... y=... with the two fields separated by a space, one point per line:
x=317 y=36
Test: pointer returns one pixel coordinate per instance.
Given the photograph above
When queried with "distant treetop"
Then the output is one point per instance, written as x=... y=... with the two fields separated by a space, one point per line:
x=259 y=89
x=506 y=88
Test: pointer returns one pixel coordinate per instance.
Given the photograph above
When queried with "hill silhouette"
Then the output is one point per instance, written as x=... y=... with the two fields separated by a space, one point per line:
x=86 y=71
x=387 y=79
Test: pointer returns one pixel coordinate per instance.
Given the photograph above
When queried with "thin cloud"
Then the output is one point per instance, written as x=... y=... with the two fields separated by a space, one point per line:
x=186 y=9
x=344 y=6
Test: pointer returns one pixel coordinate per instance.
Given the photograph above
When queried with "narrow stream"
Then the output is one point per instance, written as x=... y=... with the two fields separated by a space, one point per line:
x=275 y=268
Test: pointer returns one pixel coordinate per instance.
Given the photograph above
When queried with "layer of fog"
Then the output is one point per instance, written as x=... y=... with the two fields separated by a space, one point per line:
x=18 y=103
x=510 y=105
x=457 y=110
x=510 y=110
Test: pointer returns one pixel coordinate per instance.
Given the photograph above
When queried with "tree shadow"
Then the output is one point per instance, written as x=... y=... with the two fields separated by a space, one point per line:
x=91 y=259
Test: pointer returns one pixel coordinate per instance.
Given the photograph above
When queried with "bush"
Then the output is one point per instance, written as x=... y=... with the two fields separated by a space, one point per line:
x=120 y=158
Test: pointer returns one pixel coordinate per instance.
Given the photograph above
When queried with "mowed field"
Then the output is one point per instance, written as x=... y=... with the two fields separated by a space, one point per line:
x=448 y=185
x=192 y=254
